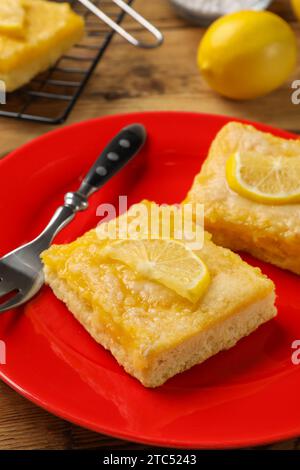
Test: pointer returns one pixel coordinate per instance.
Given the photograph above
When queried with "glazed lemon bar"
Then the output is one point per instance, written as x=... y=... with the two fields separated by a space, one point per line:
x=250 y=186
x=157 y=305
x=33 y=41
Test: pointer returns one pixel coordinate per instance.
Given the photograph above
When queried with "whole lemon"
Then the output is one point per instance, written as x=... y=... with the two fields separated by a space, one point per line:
x=296 y=7
x=247 y=54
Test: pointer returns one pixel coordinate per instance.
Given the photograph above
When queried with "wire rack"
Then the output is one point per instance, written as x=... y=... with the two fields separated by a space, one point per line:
x=50 y=97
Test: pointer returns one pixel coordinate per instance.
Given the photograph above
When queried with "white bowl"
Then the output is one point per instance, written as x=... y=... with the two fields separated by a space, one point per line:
x=203 y=12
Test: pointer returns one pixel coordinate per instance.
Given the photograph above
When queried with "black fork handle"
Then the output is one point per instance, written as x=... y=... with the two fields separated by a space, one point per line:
x=114 y=157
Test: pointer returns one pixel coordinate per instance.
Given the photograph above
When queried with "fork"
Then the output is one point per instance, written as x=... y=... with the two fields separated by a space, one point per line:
x=21 y=270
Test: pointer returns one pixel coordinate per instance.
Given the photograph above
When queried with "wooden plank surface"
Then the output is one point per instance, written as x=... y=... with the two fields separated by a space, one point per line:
x=134 y=80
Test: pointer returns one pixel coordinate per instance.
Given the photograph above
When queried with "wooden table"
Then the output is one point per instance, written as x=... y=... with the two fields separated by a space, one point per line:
x=134 y=80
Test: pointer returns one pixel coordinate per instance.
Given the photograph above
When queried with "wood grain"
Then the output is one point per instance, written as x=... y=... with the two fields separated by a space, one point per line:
x=130 y=80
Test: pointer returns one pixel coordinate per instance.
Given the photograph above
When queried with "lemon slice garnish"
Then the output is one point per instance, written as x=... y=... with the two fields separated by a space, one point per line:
x=12 y=17
x=268 y=179
x=168 y=262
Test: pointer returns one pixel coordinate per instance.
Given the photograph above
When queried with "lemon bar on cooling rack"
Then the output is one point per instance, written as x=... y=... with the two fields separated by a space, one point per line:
x=158 y=305
x=46 y=32
x=250 y=186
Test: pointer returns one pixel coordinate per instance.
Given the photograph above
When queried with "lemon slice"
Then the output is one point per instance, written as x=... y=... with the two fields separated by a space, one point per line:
x=12 y=17
x=268 y=179
x=168 y=262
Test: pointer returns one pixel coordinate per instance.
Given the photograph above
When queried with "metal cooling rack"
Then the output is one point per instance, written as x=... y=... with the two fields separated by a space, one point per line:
x=50 y=97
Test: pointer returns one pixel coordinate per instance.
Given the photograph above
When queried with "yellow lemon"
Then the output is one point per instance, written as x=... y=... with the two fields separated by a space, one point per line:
x=268 y=179
x=247 y=54
x=168 y=262
x=296 y=7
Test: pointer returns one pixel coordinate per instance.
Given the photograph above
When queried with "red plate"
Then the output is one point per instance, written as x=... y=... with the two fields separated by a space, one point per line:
x=246 y=396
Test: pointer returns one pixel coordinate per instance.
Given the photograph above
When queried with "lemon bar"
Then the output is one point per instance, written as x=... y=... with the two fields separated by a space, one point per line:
x=50 y=29
x=153 y=331
x=265 y=225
